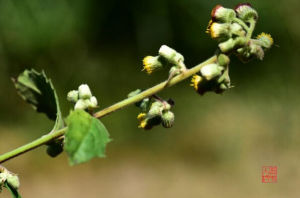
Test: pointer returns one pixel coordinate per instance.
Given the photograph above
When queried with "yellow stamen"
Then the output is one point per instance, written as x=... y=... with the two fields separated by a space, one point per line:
x=208 y=27
x=148 y=64
x=212 y=31
x=265 y=35
x=141 y=116
x=196 y=79
x=143 y=124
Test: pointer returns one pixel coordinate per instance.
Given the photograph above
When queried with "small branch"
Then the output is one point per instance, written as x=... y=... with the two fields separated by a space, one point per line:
x=147 y=93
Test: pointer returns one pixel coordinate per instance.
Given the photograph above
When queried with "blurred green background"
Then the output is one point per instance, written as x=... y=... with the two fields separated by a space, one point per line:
x=218 y=144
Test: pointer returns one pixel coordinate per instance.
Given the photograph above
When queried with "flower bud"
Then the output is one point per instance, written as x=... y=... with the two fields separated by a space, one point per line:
x=171 y=55
x=219 y=13
x=81 y=104
x=93 y=103
x=257 y=51
x=144 y=104
x=167 y=106
x=84 y=92
x=73 y=96
x=244 y=54
x=223 y=60
x=250 y=51
x=237 y=29
x=224 y=78
x=155 y=109
x=13 y=180
x=219 y=31
x=266 y=40
x=231 y=44
x=151 y=64
x=149 y=122
x=211 y=71
x=168 y=118
x=202 y=85
x=3 y=177
x=174 y=71
x=245 y=12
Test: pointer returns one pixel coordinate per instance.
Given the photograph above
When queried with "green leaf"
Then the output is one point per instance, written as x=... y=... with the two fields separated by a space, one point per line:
x=36 y=89
x=13 y=191
x=86 y=137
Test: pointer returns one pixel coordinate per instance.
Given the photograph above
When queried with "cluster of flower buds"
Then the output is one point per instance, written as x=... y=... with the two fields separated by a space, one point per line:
x=166 y=57
x=11 y=178
x=83 y=98
x=213 y=77
x=154 y=111
x=233 y=30
x=222 y=25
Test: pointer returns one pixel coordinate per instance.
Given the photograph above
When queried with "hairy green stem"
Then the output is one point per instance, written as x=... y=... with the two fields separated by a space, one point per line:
x=251 y=29
x=149 y=92
x=242 y=23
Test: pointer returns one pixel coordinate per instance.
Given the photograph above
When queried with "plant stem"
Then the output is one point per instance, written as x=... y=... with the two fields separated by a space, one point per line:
x=251 y=29
x=149 y=92
x=242 y=23
x=32 y=145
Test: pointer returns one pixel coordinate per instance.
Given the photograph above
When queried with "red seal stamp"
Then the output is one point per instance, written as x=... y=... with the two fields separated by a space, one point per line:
x=269 y=174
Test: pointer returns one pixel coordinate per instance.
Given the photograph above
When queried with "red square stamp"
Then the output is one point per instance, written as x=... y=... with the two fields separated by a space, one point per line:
x=269 y=174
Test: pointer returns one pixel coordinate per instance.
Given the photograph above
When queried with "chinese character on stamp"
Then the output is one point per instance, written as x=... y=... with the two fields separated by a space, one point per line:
x=269 y=174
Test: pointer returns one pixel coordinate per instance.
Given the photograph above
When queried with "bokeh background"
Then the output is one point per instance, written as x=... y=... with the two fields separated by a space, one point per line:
x=218 y=144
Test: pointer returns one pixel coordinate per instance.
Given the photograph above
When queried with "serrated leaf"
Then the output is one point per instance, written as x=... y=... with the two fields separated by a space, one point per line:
x=14 y=192
x=37 y=90
x=85 y=138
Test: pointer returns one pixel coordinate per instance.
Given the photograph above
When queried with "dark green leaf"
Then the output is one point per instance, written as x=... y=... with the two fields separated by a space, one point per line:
x=13 y=191
x=86 y=137
x=36 y=89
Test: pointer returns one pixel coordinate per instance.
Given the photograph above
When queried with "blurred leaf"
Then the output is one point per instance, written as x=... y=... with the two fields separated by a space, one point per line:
x=14 y=192
x=36 y=89
x=86 y=137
